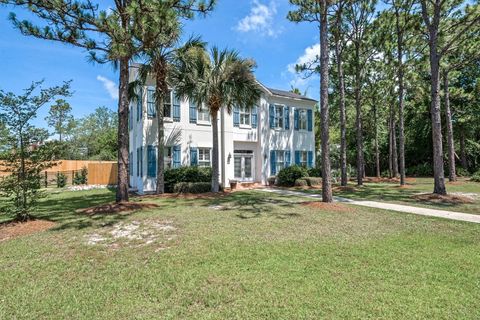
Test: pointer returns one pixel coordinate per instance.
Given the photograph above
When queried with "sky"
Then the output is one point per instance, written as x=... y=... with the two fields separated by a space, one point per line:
x=257 y=29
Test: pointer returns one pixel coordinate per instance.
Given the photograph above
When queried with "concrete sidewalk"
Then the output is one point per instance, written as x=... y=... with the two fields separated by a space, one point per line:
x=459 y=216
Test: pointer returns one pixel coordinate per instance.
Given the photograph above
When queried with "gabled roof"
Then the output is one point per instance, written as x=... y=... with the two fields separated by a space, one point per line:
x=285 y=94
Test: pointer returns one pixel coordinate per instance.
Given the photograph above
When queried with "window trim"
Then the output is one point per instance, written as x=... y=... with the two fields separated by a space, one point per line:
x=305 y=114
x=200 y=154
x=245 y=112
x=277 y=119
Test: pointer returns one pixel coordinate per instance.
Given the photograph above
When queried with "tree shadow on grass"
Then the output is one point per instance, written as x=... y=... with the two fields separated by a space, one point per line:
x=254 y=204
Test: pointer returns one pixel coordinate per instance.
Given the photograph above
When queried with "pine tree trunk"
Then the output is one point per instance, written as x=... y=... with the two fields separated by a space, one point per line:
x=390 y=150
x=377 y=152
x=326 y=172
x=358 y=122
x=452 y=175
x=160 y=141
x=394 y=148
x=401 y=103
x=215 y=162
x=463 y=152
x=343 y=118
x=438 y=170
x=123 y=136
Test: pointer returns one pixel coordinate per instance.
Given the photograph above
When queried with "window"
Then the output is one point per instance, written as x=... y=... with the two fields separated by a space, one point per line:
x=204 y=157
x=279 y=117
x=203 y=114
x=152 y=162
x=244 y=116
x=167 y=105
x=302 y=119
x=302 y=160
x=167 y=158
x=151 y=109
x=280 y=160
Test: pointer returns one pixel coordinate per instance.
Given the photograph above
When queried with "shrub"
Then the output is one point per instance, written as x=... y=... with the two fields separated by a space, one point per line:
x=81 y=176
x=314 y=172
x=462 y=172
x=61 y=180
x=313 y=181
x=476 y=176
x=186 y=174
x=192 y=187
x=421 y=170
x=287 y=176
x=271 y=180
x=301 y=182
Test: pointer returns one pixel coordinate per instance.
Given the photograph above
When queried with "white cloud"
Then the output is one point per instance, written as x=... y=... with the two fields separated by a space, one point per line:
x=260 y=20
x=110 y=86
x=310 y=57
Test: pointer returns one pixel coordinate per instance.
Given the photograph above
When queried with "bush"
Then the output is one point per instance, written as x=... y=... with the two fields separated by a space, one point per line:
x=287 y=176
x=301 y=182
x=308 y=181
x=192 y=187
x=61 y=180
x=186 y=174
x=81 y=176
x=462 y=172
x=421 y=170
x=314 y=172
x=476 y=176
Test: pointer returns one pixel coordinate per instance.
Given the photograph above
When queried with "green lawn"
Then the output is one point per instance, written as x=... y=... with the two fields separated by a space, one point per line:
x=252 y=255
x=391 y=192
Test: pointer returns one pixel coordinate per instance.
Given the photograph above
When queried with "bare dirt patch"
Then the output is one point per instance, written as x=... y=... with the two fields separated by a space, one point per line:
x=448 y=199
x=112 y=208
x=135 y=234
x=17 y=229
x=335 y=207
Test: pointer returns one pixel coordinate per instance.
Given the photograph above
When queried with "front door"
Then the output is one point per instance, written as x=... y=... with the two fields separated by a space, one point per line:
x=243 y=163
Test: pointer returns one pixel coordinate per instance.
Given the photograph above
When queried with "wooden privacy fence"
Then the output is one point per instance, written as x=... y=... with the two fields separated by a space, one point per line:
x=102 y=173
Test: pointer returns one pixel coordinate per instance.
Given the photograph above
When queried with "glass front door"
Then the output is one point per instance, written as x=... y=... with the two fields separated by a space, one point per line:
x=243 y=166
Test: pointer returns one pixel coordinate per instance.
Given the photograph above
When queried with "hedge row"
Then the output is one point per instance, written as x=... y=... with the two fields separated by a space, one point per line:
x=192 y=187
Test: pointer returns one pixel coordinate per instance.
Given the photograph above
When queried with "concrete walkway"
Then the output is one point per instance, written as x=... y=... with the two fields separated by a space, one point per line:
x=459 y=216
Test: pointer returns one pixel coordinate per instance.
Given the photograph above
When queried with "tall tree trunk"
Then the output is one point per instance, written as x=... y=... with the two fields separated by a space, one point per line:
x=452 y=175
x=358 y=122
x=401 y=128
x=377 y=152
x=161 y=89
x=438 y=170
x=326 y=172
x=215 y=163
x=463 y=152
x=394 y=148
x=390 y=150
x=123 y=137
x=343 y=117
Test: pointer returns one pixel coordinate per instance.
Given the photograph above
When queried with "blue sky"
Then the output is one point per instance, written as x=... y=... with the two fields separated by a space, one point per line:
x=258 y=29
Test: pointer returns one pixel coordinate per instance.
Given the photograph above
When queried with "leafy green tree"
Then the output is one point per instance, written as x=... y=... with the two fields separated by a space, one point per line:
x=60 y=118
x=27 y=153
x=317 y=11
x=221 y=79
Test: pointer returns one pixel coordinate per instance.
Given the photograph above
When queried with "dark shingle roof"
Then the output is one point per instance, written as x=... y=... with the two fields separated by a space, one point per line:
x=288 y=94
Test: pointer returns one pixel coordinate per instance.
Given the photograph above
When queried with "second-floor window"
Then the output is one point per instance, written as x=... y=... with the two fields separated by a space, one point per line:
x=302 y=119
x=167 y=157
x=244 y=116
x=167 y=105
x=204 y=157
x=203 y=115
x=279 y=117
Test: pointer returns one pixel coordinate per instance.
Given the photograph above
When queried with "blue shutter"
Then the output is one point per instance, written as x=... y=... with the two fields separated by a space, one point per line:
x=295 y=119
x=286 y=113
x=139 y=104
x=176 y=107
x=193 y=156
x=151 y=112
x=138 y=162
x=273 y=163
x=130 y=118
x=287 y=158
x=130 y=164
x=309 y=120
x=310 y=159
x=254 y=116
x=193 y=112
x=152 y=162
x=236 y=116
x=297 y=157
x=271 y=113
x=176 y=156
x=141 y=161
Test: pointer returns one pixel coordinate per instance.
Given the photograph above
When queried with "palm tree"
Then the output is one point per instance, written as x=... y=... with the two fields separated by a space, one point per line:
x=221 y=79
x=159 y=60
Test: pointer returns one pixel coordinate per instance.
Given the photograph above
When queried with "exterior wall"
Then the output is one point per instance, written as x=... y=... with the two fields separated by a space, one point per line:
x=199 y=135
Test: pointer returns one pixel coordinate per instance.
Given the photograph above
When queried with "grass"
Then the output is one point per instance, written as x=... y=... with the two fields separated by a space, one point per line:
x=391 y=192
x=262 y=256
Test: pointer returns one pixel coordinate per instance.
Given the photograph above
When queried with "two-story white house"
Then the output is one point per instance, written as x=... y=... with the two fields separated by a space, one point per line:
x=254 y=144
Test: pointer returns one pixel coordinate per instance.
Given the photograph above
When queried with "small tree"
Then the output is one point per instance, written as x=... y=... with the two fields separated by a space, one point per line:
x=60 y=118
x=27 y=155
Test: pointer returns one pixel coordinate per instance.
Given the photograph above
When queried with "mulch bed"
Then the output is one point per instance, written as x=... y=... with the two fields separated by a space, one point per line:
x=12 y=230
x=208 y=195
x=113 y=208
x=344 y=188
x=336 y=207
x=436 y=198
x=389 y=180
